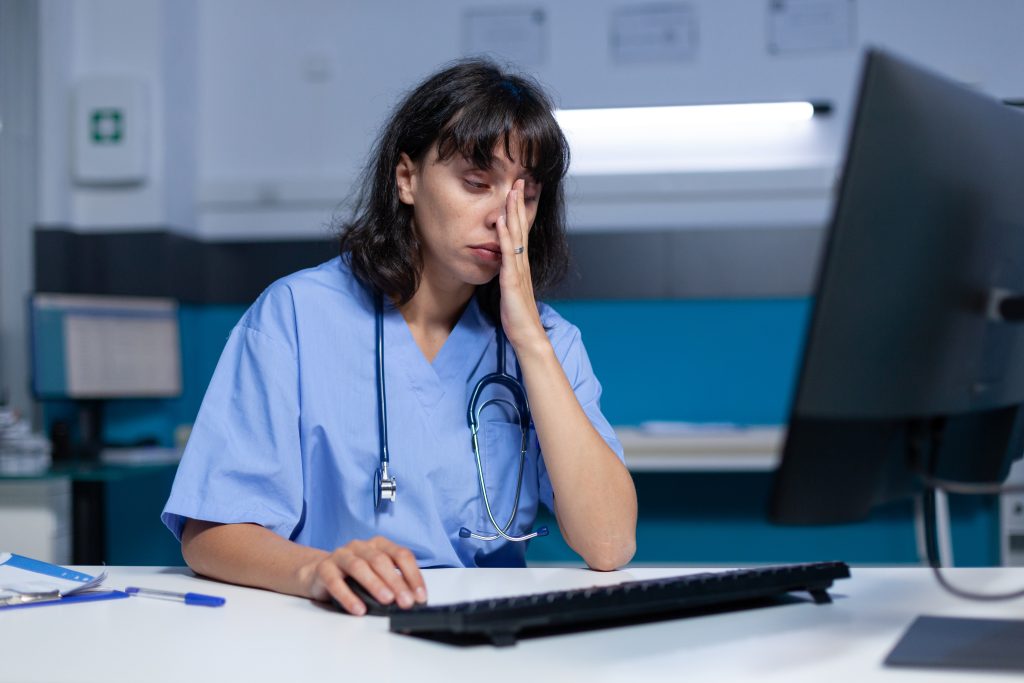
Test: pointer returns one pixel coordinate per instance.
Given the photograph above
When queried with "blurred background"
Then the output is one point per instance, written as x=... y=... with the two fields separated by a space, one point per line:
x=162 y=161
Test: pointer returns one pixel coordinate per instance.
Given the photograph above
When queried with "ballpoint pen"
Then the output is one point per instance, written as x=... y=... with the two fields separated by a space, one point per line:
x=187 y=598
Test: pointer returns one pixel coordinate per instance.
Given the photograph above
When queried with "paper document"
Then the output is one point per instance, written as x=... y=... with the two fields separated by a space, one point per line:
x=23 y=579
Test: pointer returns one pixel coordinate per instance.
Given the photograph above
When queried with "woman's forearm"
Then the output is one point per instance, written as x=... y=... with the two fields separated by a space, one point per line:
x=250 y=555
x=595 y=499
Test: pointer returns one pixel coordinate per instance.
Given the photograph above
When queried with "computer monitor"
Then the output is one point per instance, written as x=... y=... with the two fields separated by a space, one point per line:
x=90 y=348
x=914 y=357
x=100 y=347
x=913 y=367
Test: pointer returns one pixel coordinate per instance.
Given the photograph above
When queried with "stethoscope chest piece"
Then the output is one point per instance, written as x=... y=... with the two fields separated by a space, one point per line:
x=384 y=486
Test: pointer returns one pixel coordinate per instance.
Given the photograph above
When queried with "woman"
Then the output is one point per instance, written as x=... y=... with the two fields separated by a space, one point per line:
x=460 y=218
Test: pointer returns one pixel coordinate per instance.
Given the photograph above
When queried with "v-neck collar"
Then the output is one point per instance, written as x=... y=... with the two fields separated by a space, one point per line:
x=454 y=362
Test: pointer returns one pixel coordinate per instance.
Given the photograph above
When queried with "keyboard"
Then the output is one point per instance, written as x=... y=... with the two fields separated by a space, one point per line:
x=501 y=621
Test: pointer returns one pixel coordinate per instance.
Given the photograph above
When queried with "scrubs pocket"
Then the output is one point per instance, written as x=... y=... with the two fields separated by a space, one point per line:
x=500 y=457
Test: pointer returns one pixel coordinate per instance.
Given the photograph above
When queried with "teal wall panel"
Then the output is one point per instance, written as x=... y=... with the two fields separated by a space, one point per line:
x=718 y=519
x=700 y=361
x=135 y=534
x=693 y=360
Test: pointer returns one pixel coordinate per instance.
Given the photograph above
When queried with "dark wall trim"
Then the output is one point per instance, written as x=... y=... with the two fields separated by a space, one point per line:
x=162 y=263
x=693 y=264
x=607 y=265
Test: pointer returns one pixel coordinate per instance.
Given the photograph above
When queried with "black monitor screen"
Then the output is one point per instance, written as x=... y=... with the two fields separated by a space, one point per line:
x=907 y=369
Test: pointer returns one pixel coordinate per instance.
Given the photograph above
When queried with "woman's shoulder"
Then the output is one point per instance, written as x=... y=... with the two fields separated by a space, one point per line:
x=561 y=332
x=331 y=277
x=328 y=286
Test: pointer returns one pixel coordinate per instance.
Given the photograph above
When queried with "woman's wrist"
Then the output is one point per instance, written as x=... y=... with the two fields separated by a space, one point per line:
x=307 y=579
x=536 y=348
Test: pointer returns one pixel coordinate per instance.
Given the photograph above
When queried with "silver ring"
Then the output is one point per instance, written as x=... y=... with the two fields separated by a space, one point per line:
x=518 y=250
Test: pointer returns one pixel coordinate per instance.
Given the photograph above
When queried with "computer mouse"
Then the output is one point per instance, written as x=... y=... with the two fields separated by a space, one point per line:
x=374 y=607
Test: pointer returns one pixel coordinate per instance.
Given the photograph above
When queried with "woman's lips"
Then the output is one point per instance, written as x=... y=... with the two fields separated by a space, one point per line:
x=487 y=252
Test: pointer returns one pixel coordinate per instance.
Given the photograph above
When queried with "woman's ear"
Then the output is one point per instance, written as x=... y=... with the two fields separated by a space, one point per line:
x=405 y=176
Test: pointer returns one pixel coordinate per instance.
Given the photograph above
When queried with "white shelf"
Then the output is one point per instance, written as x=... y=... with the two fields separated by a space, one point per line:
x=753 y=449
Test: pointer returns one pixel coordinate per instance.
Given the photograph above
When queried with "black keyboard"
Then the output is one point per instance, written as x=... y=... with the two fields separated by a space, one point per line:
x=502 y=620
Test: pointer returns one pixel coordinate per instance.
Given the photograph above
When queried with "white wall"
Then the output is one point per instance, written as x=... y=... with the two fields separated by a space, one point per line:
x=152 y=40
x=265 y=109
x=19 y=21
x=278 y=150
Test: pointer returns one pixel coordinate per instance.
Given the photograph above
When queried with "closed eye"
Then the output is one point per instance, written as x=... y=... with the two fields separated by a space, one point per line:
x=475 y=184
x=532 y=192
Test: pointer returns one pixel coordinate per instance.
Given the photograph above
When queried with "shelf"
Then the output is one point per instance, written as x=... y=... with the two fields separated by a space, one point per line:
x=751 y=449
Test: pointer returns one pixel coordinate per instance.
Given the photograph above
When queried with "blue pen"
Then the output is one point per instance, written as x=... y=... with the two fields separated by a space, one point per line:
x=187 y=598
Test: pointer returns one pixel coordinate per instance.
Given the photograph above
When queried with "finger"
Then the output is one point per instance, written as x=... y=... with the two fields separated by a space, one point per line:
x=377 y=554
x=525 y=233
x=505 y=243
x=513 y=217
x=365 y=572
x=386 y=563
x=405 y=560
x=524 y=223
x=385 y=567
x=331 y=577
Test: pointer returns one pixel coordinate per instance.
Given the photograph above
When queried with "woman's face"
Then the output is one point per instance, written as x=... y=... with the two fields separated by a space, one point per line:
x=455 y=213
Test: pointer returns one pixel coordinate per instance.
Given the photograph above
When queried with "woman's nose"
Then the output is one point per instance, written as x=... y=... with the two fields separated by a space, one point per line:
x=496 y=207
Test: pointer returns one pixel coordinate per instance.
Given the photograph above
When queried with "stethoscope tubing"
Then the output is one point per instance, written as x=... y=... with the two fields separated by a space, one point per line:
x=385 y=486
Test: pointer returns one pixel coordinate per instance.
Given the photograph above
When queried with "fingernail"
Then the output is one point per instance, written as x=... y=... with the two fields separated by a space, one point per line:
x=421 y=595
x=358 y=610
x=405 y=599
x=386 y=595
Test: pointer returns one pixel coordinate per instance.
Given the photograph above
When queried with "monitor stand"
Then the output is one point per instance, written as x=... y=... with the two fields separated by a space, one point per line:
x=90 y=429
x=956 y=643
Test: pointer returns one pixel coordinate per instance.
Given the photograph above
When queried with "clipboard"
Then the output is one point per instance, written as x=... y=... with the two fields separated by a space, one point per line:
x=27 y=582
x=87 y=596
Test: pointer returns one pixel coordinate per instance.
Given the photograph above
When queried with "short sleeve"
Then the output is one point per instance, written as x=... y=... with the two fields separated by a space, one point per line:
x=243 y=459
x=576 y=364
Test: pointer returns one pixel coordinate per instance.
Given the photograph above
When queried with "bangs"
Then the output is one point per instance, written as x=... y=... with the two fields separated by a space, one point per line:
x=523 y=127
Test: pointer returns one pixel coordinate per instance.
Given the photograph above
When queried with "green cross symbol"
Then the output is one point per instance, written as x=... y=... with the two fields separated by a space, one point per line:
x=106 y=126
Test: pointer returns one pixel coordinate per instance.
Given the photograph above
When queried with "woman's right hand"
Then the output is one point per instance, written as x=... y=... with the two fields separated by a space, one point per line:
x=385 y=569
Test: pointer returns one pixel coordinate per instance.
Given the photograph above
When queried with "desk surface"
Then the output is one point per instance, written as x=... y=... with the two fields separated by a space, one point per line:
x=261 y=636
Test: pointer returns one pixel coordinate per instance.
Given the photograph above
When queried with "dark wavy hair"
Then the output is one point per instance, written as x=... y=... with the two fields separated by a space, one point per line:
x=467 y=108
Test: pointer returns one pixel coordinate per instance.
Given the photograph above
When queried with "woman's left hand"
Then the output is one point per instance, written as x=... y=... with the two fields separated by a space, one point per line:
x=519 y=314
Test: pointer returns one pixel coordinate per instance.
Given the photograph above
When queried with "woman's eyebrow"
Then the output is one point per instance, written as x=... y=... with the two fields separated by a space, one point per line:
x=502 y=163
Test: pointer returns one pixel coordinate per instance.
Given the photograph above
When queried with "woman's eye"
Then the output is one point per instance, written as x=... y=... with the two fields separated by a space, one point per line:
x=475 y=184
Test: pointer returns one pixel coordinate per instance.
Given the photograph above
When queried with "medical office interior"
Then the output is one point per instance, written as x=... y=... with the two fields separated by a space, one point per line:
x=239 y=128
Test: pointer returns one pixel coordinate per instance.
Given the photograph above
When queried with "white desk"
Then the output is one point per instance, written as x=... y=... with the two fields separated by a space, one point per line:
x=261 y=636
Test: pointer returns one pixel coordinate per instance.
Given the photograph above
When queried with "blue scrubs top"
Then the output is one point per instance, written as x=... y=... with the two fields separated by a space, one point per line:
x=287 y=435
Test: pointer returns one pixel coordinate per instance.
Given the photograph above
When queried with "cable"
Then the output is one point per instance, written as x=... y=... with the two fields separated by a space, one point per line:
x=934 y=440
x=970 y=595
x=970 y=489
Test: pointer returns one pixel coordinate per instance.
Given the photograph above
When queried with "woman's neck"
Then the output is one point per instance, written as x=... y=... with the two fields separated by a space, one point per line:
x=432 y=314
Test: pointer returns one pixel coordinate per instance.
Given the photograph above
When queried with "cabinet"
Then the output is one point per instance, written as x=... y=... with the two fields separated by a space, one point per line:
x=35 y=518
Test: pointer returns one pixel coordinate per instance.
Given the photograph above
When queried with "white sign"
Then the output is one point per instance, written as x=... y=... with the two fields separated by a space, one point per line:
x=518 y=35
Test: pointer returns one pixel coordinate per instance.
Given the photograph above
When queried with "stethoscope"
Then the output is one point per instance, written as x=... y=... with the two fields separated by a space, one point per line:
x=385 y=487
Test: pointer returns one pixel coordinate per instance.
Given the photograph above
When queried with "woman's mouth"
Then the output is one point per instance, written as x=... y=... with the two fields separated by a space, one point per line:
x=487 y=252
